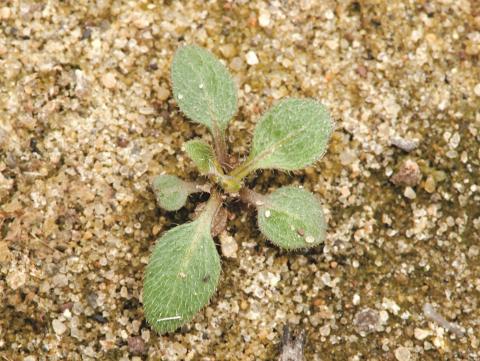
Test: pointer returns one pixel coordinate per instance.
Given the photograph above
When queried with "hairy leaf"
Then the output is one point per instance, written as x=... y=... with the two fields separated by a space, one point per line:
x=291 y=135
x=292 y=218
x=201 y=154
x=182 y=274
x=203 y=88
x=171 y=192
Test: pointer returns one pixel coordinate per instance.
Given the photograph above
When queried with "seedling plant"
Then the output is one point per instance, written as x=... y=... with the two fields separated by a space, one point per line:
x=184 y=269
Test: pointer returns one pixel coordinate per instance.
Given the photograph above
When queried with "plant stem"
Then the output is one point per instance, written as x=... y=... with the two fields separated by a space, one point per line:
x=213 y=205
x=243 y=170
x=195 y=187
x=220 y=147
x=251 y=197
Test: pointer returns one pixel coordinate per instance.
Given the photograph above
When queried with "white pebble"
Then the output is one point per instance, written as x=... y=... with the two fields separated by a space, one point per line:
x=403 y=354
x=228 y=245
x=60 y=280
x=329 y=15
x=477 y=90
x=58 y=327
x=327 y=280
x=421 y=334
x=252 y=58
x=325 y=330
x=391 y=306
x=383 y=317
x=180 y=96
x=309 y=239
x=454 y=140
x=356 y=299
x=410 y=193
x=67 y=314
x=264 y=19
x=16 y=278
x=267 y=213
x=5 y=13
x=109 y=80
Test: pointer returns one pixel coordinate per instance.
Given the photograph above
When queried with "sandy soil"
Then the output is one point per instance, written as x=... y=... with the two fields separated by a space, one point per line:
x=87 y=118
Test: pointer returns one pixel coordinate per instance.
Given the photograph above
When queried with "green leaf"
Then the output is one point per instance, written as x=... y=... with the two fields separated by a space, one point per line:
x=171 y=192
x=203 y=88
x=292 y=218
x=291 y=135
x=182 y=274
x=201 y=154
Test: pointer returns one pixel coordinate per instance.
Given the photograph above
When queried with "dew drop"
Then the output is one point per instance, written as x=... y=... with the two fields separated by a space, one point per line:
x=180 y=96
x=309 y=239
x=267 y=213
x=200 y=85
x=182 y=275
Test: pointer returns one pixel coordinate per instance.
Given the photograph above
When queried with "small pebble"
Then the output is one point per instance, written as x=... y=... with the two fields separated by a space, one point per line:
x=408 y=174
x=251 y=58
x=421 y=334
x=325 y=330
x=109 y=80
x=264 y=19
x=16 y=278
x=362 y=71
x=329 y=15
x=228 y=51
x=429 y=185
x=5 y=13
x=367 y=321
x=356 y=299
x=309 y=239
x=477 y=90
x=228 y=245
x=163 y=93
x=403 y=354
x=59 y=327
x=327 y=279
x=405 y=144
x=410 y=193
x=60 y=280
x=136 y=345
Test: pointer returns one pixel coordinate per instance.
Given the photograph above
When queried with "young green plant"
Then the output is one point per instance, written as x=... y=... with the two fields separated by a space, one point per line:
x=184 y=269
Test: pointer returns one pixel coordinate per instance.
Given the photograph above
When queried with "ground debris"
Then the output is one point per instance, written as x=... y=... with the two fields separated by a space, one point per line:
x=405 y=144
x=408 y=174
x=292 y=346
x=434 y=316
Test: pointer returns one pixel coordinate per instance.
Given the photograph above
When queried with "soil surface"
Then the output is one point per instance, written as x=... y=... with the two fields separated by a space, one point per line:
x=87 y=118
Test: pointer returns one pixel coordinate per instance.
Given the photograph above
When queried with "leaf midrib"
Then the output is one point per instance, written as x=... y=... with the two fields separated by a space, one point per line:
x=274 y=147
x=198 y=234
